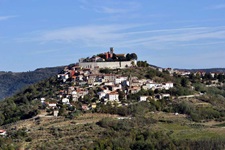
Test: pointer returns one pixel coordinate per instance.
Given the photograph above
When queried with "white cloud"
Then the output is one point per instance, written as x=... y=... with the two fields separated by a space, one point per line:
x=130 y=35
x=175 y=37
x=87 y=34
x=6 y=17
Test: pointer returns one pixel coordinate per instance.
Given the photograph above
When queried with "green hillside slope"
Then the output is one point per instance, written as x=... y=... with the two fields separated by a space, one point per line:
x=10 y=82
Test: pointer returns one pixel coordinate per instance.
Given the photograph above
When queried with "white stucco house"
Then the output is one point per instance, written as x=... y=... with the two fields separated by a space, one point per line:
x=167 y=85
x=65 y=101
x=143 y=98
x=113 y=96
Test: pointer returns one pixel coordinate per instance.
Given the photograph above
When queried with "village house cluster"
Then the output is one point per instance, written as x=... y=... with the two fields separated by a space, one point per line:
x=110 y=86
x=210 y=79
x=188 y=72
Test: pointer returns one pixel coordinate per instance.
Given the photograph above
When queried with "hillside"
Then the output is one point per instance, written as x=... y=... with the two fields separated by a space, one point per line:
x=142 y=108
x=222 y=70
x=104 y=131
x=11 y=82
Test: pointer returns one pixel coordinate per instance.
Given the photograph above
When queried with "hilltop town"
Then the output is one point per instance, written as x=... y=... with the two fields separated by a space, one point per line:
x=91 y=84
x=110 y=97
x=89 y=77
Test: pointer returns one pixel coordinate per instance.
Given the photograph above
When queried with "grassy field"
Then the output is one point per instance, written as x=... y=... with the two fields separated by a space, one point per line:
x=180 y=127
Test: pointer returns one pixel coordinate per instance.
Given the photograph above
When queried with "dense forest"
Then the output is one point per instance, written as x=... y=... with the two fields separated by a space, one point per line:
x=11 y=82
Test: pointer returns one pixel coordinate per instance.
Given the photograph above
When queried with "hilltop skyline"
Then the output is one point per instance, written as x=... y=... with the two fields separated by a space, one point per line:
x=176 y=34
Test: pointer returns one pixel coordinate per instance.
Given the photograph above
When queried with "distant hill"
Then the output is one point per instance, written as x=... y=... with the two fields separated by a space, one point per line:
x=219 y=70
x=11 y=82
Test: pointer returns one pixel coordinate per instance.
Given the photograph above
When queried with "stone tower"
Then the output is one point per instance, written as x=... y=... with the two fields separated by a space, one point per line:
x=111 y=50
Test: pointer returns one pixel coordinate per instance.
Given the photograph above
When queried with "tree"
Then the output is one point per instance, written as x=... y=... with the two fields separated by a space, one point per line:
x=208 y=76
x=221 y=77
x=128 y=57
x=105 y=70
x=62 y=111
x=25 y=99
x=133 y=56
x=121 y=95
x=2 y=118
x=142 y=64
x=184 y=82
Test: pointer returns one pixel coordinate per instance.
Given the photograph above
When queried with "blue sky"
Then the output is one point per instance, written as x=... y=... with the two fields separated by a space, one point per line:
x=175 y=33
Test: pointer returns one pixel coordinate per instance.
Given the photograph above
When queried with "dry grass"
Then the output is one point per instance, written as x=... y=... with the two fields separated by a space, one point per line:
x=61 y=133
x=58 y=132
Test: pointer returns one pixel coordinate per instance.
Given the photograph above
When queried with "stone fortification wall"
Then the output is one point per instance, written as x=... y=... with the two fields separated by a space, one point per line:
x=112 y=65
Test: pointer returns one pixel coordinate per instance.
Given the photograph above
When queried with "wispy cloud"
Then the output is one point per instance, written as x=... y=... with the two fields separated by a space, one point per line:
x=129 y=35
x=114 y=11
x=169 y=38
x=204 y=43
x=220 y=6
x=118 y=8
x=6 y=17
x=98 y=34
x=110 y=7
x=110 y=10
